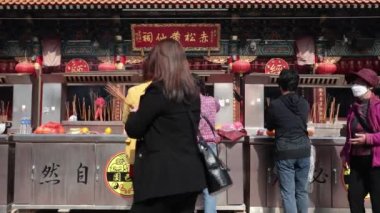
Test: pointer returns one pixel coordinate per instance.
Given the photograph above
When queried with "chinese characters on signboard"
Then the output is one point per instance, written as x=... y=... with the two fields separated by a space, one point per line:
x=51 y=174
x=82 y=173
x=117 y=174
x=319 y=110
x=191 y=36
x=320 y=176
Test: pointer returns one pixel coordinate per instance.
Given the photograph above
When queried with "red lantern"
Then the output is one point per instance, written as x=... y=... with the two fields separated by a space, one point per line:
x=241 y=66
x=25 y=67
x=326 y=68
x=106 y=66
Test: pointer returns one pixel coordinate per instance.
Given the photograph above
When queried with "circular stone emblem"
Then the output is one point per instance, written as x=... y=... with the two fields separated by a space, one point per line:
x=117 y=175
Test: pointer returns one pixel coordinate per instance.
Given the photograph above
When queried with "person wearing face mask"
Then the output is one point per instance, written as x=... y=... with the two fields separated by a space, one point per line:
x=361 y=152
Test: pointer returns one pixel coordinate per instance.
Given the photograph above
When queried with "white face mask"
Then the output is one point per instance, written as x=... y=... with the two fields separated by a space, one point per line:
x=359 y=90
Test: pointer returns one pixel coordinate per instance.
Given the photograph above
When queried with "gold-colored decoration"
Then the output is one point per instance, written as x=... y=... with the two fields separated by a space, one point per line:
x=22 y=59
x=134 y=59
x=248 y=58
x=331 y=60
x=217 y=59
x=104 y=59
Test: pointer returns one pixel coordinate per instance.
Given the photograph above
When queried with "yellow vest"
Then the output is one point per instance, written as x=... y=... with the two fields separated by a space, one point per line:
x=132 y=100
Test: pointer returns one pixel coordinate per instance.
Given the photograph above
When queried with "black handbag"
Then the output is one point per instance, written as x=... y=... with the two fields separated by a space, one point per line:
x=216 y=172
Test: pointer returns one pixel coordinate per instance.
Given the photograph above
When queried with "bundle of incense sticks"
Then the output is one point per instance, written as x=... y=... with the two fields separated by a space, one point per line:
x=115 y=92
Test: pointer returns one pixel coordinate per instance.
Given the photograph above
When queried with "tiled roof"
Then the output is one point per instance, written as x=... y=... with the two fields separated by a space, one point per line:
x=168 y=4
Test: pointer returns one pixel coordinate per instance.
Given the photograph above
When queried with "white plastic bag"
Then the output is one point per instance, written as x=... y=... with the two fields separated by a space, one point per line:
x=312 y=167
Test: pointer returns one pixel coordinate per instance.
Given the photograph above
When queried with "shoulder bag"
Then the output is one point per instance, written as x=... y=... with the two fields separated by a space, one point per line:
x=217 y=176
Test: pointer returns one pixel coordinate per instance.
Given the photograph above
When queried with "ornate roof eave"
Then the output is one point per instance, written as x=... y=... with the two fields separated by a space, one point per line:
x=177 y=5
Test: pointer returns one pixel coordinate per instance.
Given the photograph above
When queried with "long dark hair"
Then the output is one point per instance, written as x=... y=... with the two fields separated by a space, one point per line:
x=167 y=63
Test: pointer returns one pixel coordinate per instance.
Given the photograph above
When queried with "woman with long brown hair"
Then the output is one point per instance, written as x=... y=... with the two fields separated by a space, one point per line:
x=168 y=173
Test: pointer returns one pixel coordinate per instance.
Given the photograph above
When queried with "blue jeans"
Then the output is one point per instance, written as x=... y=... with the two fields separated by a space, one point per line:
x=209 y=200
x=293 y=175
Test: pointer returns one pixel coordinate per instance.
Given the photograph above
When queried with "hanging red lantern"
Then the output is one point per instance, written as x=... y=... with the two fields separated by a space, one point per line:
x=106 y=66
x=241 y=66
x=326 y=68
x=25 y=67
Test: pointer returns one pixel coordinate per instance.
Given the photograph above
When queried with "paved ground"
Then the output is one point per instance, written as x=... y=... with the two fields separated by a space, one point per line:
x=96 y=211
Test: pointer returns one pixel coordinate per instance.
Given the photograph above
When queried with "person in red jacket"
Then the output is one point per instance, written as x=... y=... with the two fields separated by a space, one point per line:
x=361 y=152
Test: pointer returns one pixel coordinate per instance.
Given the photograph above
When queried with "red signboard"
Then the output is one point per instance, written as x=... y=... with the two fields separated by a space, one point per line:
x=275 y=66
x=191 y=36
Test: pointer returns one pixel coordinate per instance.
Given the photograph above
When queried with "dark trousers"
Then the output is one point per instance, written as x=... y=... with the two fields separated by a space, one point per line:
x=180 y=203
x=363 y=179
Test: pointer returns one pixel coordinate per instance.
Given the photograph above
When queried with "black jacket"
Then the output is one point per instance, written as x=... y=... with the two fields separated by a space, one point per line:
x=167 y=158
x=288 y=115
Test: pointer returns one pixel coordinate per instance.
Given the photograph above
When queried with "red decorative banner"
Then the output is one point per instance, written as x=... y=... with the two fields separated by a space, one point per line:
x=199 y=37
x=275 y=66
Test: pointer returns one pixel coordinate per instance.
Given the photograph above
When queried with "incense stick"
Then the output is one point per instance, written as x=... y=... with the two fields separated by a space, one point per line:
x=325 y=110
x=109 y=110
x=74 y=104
x=103 y=118
x=332 y=109
x=84 y=109
x=2 y=107
x=7 y=110
x=337 y=113
x=89 y=113
x=91 y=104
x=80 y=116
x=67 y=110
x=2 y=112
